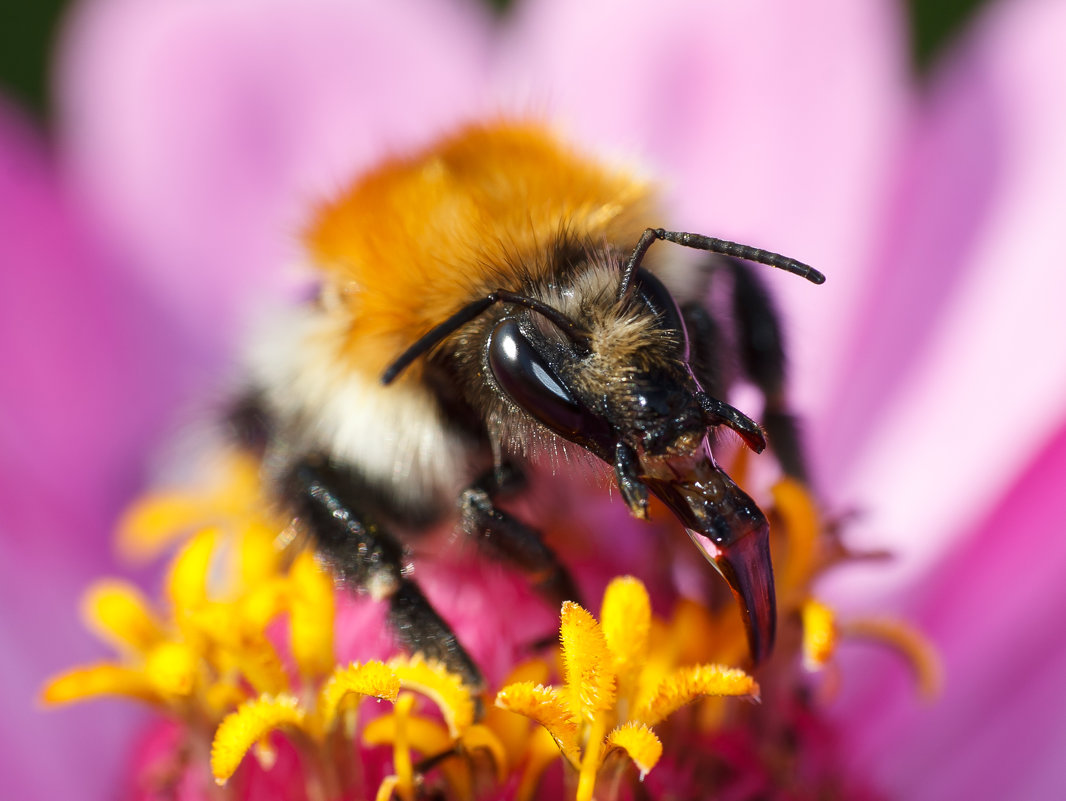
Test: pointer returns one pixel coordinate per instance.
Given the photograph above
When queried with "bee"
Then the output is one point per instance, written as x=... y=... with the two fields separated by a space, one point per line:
x=484 y=300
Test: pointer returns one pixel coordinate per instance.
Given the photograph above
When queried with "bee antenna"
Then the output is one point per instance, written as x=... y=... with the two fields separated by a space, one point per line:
x=712 y=245
x=472 y=311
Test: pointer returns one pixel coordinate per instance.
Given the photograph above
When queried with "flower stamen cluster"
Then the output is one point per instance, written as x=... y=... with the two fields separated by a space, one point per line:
x=612 y=696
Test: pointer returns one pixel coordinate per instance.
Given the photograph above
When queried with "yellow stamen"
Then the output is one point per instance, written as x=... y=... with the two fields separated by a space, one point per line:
x=579 y=716
x=430 y=739
x=263 y=601
x=692 y=635
x=819 y=634
x=587 y=663
x=427 y=737
x=118 y=613
x=386 y=789
x=446 y=689
x=543 y=751
x=154 y=523
x=591 y=761
x=311 y=614
x=401 y=754
x=265 y=753
x=171 y=668
x=188 y=578
x=802 y=527
x=545 y=706
x=640 y=743
x=95 y=681
x=259 y=555
x=231 y=644
x=514 y=730
x=686 y=684
x=220 y=697
x=920 y=654
x=349 y=684
x=249 y=724
x=626 y=623
x=479 y=737
x=161 y=519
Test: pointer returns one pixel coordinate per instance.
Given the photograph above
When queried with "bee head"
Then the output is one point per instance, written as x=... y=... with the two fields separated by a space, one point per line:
x=621 y=381
x=606 y=366
x=622 y=388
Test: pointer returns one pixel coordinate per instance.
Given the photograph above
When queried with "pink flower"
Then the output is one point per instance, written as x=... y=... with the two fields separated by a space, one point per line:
x=971 y=423
x=193 y=136
x=87 y=370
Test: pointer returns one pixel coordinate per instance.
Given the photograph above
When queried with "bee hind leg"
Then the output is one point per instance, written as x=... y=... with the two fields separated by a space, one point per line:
x=365 y=556
x=761 y=350
x=761 y=344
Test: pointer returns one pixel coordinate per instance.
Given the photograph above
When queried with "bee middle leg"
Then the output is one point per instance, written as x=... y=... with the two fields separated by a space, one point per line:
x=364 y=555
x=502 y=536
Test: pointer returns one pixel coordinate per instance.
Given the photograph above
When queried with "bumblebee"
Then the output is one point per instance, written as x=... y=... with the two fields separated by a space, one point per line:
x=485 y=300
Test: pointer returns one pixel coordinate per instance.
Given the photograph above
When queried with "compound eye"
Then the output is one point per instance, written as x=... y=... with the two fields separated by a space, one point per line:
x=658 y=298
x=531 y=383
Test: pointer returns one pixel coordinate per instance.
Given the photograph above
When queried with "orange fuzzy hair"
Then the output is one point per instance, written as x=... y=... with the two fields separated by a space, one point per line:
x=420 y=237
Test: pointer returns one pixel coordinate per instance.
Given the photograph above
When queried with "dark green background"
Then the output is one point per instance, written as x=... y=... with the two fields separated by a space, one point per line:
x=28 y=28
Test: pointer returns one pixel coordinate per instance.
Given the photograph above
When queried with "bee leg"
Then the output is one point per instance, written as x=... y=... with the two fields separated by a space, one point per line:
x=365 y=556
x=504 y=537
x=720 y=413
x=760 y=342
x=706 y=341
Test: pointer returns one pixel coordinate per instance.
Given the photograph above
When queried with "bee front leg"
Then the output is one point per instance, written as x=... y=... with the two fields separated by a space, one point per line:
x=365 y=556
x=504 y=537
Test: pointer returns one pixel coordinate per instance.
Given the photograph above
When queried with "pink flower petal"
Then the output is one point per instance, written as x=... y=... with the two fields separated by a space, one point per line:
x=979 y=517
x=968 y=411
x=770 y=123
x=993 y=609
x=943 y=192
x=203 y=132
x=87 y=372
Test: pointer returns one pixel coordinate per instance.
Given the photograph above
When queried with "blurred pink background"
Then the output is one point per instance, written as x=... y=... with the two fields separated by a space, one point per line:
x=162 y=213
